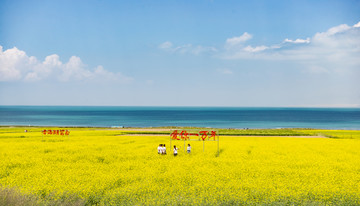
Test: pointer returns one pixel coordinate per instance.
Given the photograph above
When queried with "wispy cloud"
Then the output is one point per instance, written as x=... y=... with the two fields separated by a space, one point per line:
x=297 y=41
x=166 y=45
x=186 y=49
x=255 y=49
x=338 y=47
x=234 y=41
x=15 y=65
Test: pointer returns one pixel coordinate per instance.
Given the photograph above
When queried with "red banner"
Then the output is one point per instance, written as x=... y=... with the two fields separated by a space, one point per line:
x=56 y=132
x=184 y=135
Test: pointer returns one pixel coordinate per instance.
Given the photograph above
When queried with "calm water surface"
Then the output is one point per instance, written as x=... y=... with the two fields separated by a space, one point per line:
x=219 y=117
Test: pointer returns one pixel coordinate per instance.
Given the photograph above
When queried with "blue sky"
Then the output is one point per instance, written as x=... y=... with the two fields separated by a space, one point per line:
x=180 y=53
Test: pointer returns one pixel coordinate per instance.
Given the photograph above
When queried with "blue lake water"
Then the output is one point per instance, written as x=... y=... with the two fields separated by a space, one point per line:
x=218 y=117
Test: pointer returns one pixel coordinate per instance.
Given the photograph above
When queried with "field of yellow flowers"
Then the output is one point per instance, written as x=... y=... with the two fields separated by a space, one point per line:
x=109 y=167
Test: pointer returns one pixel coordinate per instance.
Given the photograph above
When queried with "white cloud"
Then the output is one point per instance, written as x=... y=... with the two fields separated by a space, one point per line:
x=100 y=71
x=166 y=45
x=32 y=76
x=52 y=60
x=237 y=40
x=183 y=49
x=332 y=31
x=335 y=50
x=75 y=69
x=255 y=49
x=15 y=65
x=357 y=25
x=186 y=49
x=332 y=36
x=12 y=63
x=298 y=41
x=340 y=44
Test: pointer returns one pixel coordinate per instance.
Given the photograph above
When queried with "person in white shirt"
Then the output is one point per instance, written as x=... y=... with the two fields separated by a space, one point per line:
x=160 y=149
x=188 y=148
x=175 y=150
x=163 y=149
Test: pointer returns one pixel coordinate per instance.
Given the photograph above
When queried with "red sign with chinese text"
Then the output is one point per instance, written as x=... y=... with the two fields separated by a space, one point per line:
x=56 y=132
x=184 y=135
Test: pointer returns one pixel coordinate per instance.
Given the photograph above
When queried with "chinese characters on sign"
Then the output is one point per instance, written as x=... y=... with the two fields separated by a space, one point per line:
x=201 y=135
x=56 y=132
x=195 y=136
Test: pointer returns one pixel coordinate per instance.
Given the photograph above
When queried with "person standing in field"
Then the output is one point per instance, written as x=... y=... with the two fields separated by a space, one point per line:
x=160 y=149
x=163 y=149
x=188 y=149
x=175 y=150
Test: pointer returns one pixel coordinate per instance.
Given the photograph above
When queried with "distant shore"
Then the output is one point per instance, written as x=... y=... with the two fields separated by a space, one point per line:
x=151 y=131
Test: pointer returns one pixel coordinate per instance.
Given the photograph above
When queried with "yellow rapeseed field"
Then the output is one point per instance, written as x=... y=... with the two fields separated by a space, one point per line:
x=104 y=167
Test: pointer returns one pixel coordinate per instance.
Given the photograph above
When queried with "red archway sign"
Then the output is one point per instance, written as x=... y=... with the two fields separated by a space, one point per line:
x=55 y=132
x=203 y=135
